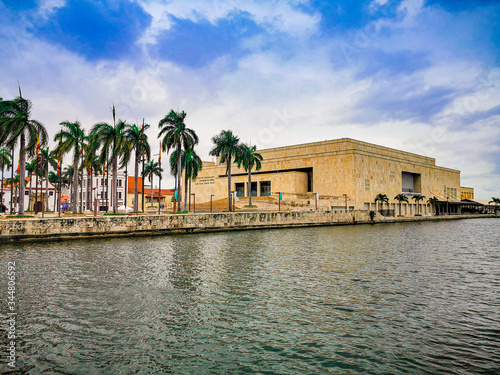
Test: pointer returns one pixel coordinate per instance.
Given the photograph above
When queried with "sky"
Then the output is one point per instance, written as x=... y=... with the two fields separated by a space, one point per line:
x=420 y=76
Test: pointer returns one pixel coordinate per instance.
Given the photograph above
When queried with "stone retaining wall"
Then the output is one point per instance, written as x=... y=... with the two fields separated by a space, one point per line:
x=75 y=227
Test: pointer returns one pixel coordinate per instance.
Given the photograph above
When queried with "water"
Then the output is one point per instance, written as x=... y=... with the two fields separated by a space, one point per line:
x=402 y=298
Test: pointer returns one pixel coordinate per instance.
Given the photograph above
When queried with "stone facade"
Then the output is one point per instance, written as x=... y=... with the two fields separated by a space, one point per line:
x=112 y=226
x=332 y=170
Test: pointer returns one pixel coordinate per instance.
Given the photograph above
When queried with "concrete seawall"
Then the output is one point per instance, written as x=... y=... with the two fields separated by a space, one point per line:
x=14 y=230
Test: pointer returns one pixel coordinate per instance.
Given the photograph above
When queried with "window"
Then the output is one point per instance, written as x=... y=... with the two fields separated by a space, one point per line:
x=51 y=193
x=26 y=192
x=265 y=189
x=240 y=189
x=119 y=195
x=119 y=183
x=367 y=184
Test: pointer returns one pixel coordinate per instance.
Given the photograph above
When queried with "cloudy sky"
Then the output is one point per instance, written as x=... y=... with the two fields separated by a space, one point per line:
x=421 y=76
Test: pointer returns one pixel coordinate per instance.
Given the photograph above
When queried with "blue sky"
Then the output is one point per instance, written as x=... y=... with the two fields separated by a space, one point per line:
x=422 y=76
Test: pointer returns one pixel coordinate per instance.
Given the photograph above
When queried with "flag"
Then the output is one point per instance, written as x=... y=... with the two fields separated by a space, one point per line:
x=37 y=145
x=58 y=166
x=142 y=136
x=19 y=162
x=159 y=159
x=41 y=161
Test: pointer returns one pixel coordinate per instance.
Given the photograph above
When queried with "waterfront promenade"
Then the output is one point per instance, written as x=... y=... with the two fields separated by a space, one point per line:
x=36 y=229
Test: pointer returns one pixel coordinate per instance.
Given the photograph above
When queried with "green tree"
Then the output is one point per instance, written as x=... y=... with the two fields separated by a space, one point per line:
x=176 y=136
x=16 y=125
x=192 y=166
x=138 y=141
x=150 y=170
x=4 y=162
x=401 y=198
x=114 y=143
x=249 y=158
x=381 y=198
x=417 y=199
x=72 y=136
x=434 y=202
x=226 y=147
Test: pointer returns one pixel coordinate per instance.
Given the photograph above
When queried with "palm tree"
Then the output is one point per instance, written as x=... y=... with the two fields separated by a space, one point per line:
x=16 y=125
x=91 y=164
x=151 y=169
x=417 y=199
x=401 y=198
x=114 y=144
x=31 y=168
x=54 y=180
x=248 y=158
x=227 y=148
x=192 y=166
x=382 y=198
x=5 y=161
x=434 y=202
x=176 y=136
x=72 y=135
x=138 y=142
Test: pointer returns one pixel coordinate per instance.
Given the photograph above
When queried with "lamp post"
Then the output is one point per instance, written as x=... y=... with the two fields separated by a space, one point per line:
x=211 y=195
x=345 y=196
x=194 y=202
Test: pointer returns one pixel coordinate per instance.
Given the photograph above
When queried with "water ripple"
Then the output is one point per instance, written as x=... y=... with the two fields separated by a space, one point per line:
x=407 y=298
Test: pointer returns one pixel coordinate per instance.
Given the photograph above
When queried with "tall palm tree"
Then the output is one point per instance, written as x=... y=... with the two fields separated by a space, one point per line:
x=17 y=125
x=381 y=198
x=72 y=136
x=54 y=180
x=114 y=144
x=138 y=142
x=91 y=164
x=401 y=198
x=5 y=161
x=30 y=168
x=228 y=149
x=192 y=166
x=150 y=170
x=176 y=136
x=249 y=158
x=434 y=202
x=417 y=199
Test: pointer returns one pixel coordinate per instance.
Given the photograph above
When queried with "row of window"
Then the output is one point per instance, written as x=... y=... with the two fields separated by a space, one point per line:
x=241 y=189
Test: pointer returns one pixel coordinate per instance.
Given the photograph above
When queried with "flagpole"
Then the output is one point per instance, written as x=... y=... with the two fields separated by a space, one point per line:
x=159 y=186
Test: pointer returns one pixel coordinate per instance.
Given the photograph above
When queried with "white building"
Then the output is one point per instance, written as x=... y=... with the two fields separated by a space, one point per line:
x=30 y=196
x=101 y=188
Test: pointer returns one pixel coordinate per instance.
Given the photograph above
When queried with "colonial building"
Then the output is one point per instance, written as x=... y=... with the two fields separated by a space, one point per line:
x=336 y=174
x=31 y=196
x=163 y=197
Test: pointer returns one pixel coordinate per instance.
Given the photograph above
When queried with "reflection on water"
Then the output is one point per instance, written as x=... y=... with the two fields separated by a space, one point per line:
x=401 y=298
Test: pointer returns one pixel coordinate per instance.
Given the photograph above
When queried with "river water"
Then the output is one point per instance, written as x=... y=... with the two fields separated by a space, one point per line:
x=368 y=299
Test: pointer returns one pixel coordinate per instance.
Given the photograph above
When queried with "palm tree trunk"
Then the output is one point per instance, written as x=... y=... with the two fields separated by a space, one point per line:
x=143 y=177
x=22 y=172
x=75 y=183
x=1 y=192
x=136 y=183
x=229 y=184
x=151 y=180
x=115 y=194
x=179 y=174
x=125 y=195
x=189 y=194
x=47 y=186
x=29 y=200
x=250 y=186
x=12 y=183
x=107 y=187
x=36 y=187
x=185 y=191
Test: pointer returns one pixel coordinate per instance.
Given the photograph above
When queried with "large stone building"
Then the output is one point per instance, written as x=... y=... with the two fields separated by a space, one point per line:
x=336 y=174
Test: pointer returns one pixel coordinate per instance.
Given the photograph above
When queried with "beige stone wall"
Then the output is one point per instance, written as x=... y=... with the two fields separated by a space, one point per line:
x=345 y=166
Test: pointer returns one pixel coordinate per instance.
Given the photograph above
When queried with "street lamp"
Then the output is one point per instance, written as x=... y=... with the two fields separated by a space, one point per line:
x=211 y=195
